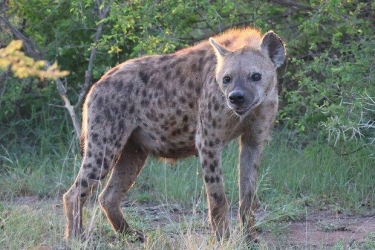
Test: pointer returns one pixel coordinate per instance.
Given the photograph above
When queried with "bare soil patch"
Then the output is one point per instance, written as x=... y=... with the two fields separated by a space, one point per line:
x=325 y=229
x=319 y=229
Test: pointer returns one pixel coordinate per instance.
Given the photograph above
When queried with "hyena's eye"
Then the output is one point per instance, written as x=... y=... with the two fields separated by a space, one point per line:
x=256 y=77
x=226 y=79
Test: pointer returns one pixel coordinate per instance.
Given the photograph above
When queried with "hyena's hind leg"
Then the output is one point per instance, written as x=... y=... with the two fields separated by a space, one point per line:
x=123 y=175
x=99 y=157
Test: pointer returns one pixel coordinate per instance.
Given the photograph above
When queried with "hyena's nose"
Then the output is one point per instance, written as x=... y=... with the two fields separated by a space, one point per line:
x=237 y=97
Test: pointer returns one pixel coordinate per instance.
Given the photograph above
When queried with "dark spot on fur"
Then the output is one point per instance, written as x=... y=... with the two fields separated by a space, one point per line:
x=118 y=86
x=197 y=89
x=164 y=58
x=212 y=179
x=178 y=71
x=159 y=85
x=144 y=77
x=212 y=167
x=129 y=88
x=206 y=179
x=210 y=58
x=193 y=66
x=105 y=164
x=226 y=43
x=216 y=107
x=200 y=62
x=144 y=93
x=88 y=165
x=182 y=99
x=121 y=124
x=191 y=105
x=190 y=84
x=215 y=196
x=145 y=103
x=84 y=183
x=178 y=131
x=97 y=119
x=100 y=101
x=93 y=176
x=217 y=178
x=131 y=109
x=162 y=138
x=99 y=162
x=204 y=164
x=95 y=137
x=210 y=155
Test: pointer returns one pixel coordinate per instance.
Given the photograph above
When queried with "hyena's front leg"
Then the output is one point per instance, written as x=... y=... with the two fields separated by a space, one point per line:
x=210 y=158
x=250 y=154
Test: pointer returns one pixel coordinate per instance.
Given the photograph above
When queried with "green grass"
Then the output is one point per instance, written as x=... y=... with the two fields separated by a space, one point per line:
x=168 y=201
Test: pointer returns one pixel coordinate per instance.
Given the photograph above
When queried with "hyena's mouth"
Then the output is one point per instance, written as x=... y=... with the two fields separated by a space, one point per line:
x=243 y=110
x=240 y=111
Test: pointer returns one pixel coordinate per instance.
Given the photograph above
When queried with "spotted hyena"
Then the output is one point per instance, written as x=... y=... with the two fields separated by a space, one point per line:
x=192 y=102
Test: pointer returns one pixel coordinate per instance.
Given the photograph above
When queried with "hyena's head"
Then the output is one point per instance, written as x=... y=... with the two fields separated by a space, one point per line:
x=246 y=76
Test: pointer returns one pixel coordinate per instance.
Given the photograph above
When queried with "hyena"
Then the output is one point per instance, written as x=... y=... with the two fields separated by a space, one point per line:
x=191 y=102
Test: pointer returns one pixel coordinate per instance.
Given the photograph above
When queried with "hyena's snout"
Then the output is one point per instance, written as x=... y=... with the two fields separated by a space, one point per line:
x=237 y=97
x=241 y=101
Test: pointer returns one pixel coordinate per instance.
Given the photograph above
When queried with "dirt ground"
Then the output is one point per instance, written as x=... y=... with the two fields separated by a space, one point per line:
x=325 y=228
x=318 y=230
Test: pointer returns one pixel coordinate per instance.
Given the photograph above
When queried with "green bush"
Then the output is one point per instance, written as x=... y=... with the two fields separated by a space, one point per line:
x=332 y=72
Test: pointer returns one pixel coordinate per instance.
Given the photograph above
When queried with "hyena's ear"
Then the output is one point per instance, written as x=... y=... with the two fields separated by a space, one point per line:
x=219 y=50
x=274 y=48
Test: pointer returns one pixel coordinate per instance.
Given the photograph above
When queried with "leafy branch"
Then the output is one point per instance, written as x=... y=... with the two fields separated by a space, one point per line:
x=23 y=66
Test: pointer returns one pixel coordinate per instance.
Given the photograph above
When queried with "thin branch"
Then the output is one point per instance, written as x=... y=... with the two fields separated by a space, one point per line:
x=88 y=73
x=62 y=92
x=293 y=4
x=29 y=47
